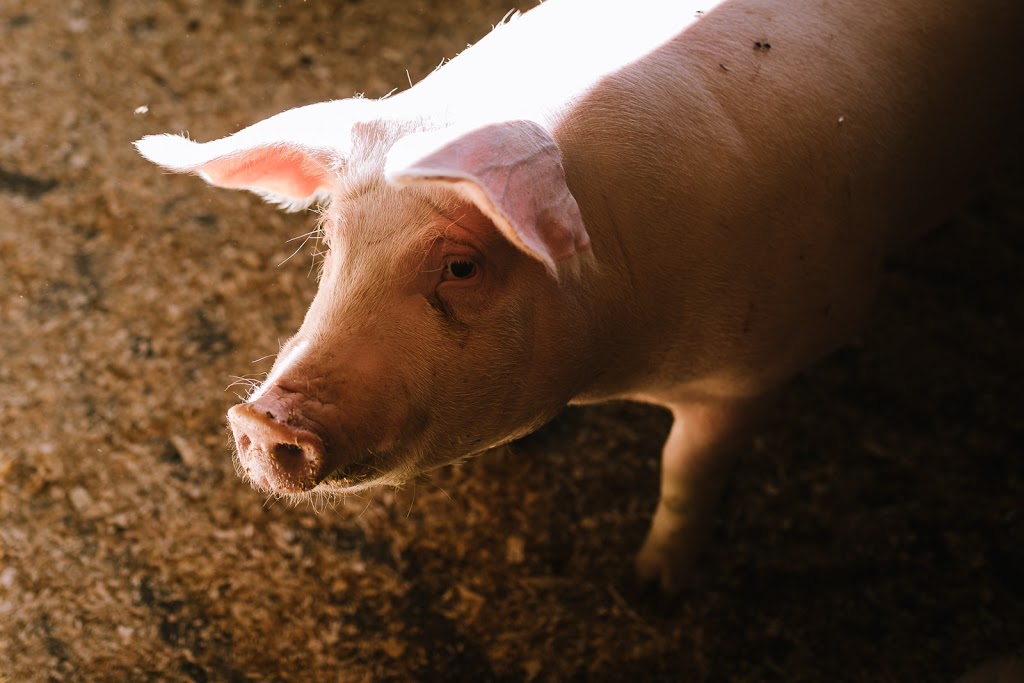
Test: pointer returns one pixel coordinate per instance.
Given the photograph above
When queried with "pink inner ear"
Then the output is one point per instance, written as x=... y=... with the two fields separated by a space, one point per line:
x=279 y=170
x=512 y=171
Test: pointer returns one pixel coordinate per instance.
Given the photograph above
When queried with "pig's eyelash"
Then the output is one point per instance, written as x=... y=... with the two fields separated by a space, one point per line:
x=413 y=270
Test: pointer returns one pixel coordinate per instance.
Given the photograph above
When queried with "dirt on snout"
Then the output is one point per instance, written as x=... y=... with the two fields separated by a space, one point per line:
x=872 y=532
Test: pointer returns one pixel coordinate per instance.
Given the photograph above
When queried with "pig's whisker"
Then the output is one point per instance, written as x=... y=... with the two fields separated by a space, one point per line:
x=318 y=260
x=408 y=512
x=306 y=235
x=315 y=233
x=290 y=256
x=332 y=500
x=368 y=502
x=436 y=486
x=245 y=381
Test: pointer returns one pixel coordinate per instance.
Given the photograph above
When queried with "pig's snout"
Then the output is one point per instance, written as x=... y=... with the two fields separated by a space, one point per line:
x=275 y=455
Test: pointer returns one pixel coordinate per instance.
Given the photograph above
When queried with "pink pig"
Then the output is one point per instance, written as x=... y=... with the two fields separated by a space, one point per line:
x=664 y=201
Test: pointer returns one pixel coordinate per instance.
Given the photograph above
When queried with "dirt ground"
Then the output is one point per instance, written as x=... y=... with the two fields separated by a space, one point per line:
x=873 y=530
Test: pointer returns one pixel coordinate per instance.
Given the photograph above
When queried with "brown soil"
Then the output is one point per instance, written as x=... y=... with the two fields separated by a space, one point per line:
x=873 y=532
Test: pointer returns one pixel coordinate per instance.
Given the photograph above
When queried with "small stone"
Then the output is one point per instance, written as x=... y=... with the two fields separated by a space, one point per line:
x=80 y=499
x=515 y=549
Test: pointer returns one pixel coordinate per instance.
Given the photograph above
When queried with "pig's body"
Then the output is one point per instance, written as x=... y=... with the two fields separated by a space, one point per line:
x=657 y=204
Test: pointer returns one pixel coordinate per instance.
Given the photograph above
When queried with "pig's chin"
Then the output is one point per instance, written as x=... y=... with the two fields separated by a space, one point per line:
x=351 y=478
x=340 y=483
x=362 y=476
x=358 y=477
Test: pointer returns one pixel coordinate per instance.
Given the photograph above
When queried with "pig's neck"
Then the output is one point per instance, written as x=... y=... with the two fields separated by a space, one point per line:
x=648 y=332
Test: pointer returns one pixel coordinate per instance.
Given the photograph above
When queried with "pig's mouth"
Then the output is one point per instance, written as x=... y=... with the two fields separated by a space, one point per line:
x=356 y=476
x=363 y=475
x=289 y=455
x=290 y=470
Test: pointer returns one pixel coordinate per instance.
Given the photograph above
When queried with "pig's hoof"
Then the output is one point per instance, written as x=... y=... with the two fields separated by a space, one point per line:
x=661 y=572
x=647 y=592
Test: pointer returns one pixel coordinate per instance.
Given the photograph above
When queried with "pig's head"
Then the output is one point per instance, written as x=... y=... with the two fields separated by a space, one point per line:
x=446 y=320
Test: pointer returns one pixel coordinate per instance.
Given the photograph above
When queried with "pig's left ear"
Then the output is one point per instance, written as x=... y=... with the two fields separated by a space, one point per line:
x=289 y=159
x=512 y=171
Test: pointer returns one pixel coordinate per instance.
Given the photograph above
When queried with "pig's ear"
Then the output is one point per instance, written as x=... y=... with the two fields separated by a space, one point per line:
x=290 y=159
x=512 y=171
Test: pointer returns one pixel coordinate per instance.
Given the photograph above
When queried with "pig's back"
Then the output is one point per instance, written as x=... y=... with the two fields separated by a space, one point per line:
x=534 y=66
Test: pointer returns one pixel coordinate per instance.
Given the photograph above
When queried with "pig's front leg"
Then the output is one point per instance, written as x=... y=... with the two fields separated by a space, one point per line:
x=696 y=463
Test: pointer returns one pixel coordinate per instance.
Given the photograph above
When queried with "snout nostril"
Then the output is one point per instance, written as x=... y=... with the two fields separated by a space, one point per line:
x=287 y=452
x=275 y=454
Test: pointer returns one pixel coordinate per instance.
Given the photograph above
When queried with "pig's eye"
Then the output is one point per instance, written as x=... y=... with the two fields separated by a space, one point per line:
x=459 y=269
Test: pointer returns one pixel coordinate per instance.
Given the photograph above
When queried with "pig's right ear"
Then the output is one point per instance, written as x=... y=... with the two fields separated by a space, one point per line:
x=512 y=171
x=290 y=159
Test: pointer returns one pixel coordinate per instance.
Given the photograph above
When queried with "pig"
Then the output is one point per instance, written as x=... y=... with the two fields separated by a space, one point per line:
x=675 y=202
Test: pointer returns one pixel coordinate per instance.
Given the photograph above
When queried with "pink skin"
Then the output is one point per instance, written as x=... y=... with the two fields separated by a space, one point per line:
x=659 y=212
x=365 y=403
